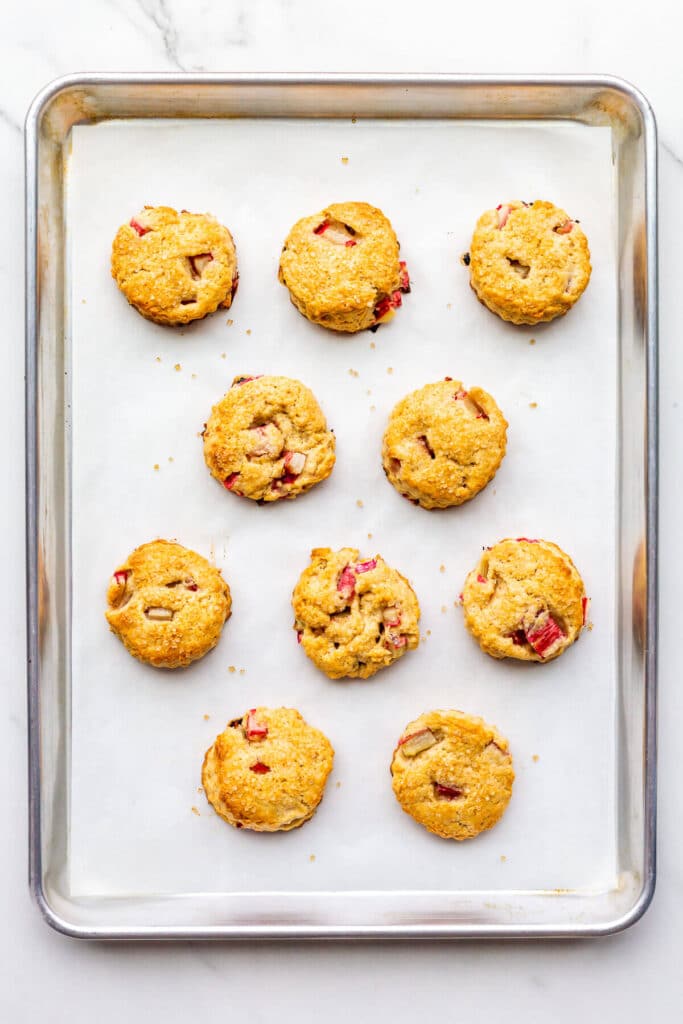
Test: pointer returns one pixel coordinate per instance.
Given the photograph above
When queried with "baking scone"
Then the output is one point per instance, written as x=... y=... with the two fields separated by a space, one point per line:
x=267 y=439
x=452 y=773
x=342 y=269
x=443 y=443
x=524 y=600
x=167 y=604
x=354 y=616
x=267 y=771
x=174 y=267
x=528 y=262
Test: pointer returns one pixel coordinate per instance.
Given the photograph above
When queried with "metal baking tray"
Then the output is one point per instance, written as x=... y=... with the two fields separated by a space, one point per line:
x=114 y=748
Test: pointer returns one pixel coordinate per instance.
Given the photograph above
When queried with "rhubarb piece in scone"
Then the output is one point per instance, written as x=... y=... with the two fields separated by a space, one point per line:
x=267 y=439
x=342 y=267
x=167 y=604
x=525 y=600
x=528 y=262
x=267 y=771
x=353 y=615
x=174 y=267
x=452 y=773
x=443 y=443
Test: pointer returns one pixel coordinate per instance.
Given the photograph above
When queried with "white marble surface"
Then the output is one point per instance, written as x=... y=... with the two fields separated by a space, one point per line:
x=624 y=977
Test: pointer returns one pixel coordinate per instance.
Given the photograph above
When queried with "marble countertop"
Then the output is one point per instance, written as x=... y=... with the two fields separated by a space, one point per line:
x=624 y=977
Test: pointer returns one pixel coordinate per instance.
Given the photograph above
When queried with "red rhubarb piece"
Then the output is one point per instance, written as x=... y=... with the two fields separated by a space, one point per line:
x=529 y=540
x=199 y=263
x=255 y=730
x=347 y=582
x=503 y=214
x=565 y=228
x=137 y=226
x=321 y=227
x=519 y=637
x=396 y=640
x=229 y=481
x=295 y=462
x=404 y=277
x=584 y=608
x=448 y=378
x=121 y=576
x=366 y=566
x=391 y=617
x=447 y=792
x=299 y=634
x=245 y=380
x=416 y=742
x=350 y=242
x=235 y=284
x=544 y=634
x=191 y=585
x=480 y=578
x=260 y=768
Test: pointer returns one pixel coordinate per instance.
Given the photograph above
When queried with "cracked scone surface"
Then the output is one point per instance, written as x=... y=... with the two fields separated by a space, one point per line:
x=267 y=439
x=174 y=267
x=342 y=268
x=528 y=262
x=267 y=770
x=353 y=615
x=452 y=773
x=167 y=604
x=443 y=444
x=525 y=600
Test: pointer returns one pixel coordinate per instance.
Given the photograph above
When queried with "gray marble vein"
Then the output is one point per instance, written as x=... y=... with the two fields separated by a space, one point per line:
x=159 y=13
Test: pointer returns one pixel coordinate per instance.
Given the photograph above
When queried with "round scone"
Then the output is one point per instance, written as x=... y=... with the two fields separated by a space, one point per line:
x=342 y=269
x=525 y=600
x=267 y=439
x=354 y=616
x=443 y=444
x=174 y=267
x=167 y=604
x=452 y=773
x=528 y=262
x=267 y=771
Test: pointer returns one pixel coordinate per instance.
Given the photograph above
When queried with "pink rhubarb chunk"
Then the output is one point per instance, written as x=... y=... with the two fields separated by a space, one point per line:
x=230 y=481
x=199 y=263
x=295 y=462
x=416 y=742
x=503 y=214
x=388 y=303
x=321 y=227
x=255 y=730
x=259 y=768
x=245 y=380
x=396 y=640
x=565 y=228
x=404 y=278
x=480 y=578
x=121 y=577
x=584 y=607
x=366 y=566
x=299 y=634
x=137 y=226
x=447 y=792
x=544 y=635
x=347 y=582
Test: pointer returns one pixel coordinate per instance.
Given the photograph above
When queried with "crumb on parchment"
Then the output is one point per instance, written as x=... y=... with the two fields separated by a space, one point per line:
x=195 y=810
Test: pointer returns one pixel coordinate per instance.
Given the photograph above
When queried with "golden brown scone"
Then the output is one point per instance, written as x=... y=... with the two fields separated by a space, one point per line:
x=525 y=600
x=267 y=771
x=267 y=439
x=354 y=616
x=528 y=262
x=167 y=604
x=443 y=443
x=452 y=773
x=174 y=267
x=342 y=269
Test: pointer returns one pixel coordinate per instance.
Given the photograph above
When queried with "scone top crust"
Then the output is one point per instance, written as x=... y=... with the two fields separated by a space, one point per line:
x=167 y=604
x=267 y=771
x=353 y=615
x=342 y=268
x=525 y=600
x=267 y=439
x=444 y=443
x=528 y=262
x=174 y=267
x=452 y=773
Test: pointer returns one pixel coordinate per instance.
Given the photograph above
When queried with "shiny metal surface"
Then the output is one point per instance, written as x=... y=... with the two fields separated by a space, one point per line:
x=84 y=99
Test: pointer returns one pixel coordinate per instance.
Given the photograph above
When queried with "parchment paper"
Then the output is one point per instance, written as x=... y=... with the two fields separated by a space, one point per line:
x=141 y=394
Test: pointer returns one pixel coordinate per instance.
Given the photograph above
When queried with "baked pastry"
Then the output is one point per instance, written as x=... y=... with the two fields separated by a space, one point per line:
x=167 y=604
x=528 y=262
x=267 y=771
x=524 y=600
x=443 y=443
x=354 y=616
x=267 y=439
x=452 y=773
x=174 y=267
x=342 y=269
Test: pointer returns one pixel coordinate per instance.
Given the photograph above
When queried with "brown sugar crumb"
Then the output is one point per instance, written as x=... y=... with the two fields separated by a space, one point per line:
x=200 y=789
x=532 y=341
x=242 y=671
x=345 y=159
x=171 y=459
x=248 y=331
x=195 y=810
x=158 y=359
x=372 y=345
x=229 y=323
x=444 y=609
x=503 y=858
x=534 y=758
x=429 y=632
x=442 y=568
x=359 y=503
x=369 y=536
x=207 y=717
x=354 y=373
x=449 y=305
x=390 y=369
x=312 y=858
x=156 y=467
x=533 y=405
x=338 y=785
x=231 y=668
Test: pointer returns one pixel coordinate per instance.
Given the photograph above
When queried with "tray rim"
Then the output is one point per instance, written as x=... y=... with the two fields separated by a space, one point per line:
x=35 y=114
